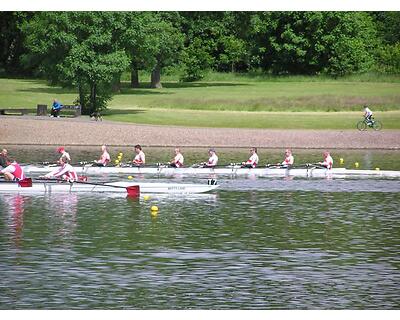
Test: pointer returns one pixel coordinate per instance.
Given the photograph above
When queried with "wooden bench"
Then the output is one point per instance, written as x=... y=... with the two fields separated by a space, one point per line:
x=77 y=110
x=14 y=111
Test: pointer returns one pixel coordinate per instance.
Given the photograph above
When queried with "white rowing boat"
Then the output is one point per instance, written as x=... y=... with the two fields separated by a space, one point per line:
x=223 y=171
x=52 y=186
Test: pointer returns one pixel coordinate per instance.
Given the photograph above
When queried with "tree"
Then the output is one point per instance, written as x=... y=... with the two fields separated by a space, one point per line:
x=196 y=59
x=12 y=42
x=81 y=49
x=234 y=51
x=167 y=45
x=139 y=42
x=313 y=42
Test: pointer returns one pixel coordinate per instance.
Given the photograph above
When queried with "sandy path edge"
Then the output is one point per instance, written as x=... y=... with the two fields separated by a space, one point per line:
x=84 y=132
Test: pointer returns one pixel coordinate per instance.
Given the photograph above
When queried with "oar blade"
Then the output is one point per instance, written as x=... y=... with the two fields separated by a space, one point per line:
x=25 y=183
x=133 y=191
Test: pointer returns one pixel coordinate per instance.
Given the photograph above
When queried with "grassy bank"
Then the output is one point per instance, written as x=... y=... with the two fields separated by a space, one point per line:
x=251 y=101
x=232 y=119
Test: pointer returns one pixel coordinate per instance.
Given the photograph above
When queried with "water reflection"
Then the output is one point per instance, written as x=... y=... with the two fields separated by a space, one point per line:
x=14 y=207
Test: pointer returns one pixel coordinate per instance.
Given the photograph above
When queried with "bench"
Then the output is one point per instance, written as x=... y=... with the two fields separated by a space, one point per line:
x=14 y=111
x=77 y=110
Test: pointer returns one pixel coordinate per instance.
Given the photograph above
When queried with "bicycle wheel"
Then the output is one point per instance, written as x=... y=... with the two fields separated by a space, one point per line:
x=377 y=125
x=361 y=125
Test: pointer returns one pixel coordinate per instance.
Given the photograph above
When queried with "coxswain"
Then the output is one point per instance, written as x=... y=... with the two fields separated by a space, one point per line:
x=104 y=159
x=13 y=172
x=328 y=161
x=140 y=158
x=212 y=160
x=4 y=160
x=253 y=160
x=64 y=154
x=289 y=159
x=65 y=172
x=177 y=161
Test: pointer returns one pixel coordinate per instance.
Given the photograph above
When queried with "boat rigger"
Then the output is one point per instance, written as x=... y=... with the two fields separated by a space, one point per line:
x=231 y=170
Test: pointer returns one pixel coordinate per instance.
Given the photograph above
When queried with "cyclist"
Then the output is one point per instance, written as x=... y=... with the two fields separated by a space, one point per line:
x=368 y=115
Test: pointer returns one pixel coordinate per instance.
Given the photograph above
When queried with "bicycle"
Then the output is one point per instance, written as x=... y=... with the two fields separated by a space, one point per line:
x=374 y=124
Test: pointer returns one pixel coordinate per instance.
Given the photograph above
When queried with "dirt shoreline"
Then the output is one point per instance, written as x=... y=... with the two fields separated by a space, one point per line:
x=31 y=130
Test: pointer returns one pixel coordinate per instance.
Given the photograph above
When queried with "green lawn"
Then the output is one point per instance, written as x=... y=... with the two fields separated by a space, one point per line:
x=241 y=102
x=273 y=120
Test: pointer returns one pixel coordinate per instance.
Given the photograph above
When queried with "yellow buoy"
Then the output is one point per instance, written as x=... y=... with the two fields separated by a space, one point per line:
x=341 y=160
x=116 y=161
x=120 y=154
x=154 y=214
x=377 y=169
x=154 y=208
x=356 y=164
x=130 y=177
x=146 y=197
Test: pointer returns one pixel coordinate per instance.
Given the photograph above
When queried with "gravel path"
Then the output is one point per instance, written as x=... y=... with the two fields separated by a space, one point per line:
x=82 y=131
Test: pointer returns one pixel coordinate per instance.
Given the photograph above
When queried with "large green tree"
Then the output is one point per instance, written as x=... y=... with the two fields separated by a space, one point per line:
x=311 y=42
x=11 y=42
x=82 y=49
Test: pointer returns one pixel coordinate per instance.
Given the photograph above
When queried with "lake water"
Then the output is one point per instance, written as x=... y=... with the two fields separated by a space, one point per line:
x=267 y=243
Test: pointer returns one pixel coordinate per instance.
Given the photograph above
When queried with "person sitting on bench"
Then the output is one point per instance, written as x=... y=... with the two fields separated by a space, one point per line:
x=55 y=109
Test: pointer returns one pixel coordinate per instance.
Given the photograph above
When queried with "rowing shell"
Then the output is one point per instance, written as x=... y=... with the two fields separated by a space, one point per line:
x=230 y=170
x=113 y=187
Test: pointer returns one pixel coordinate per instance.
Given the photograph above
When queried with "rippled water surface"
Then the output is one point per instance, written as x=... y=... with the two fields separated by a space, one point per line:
x=248 y=250
x=253 y=244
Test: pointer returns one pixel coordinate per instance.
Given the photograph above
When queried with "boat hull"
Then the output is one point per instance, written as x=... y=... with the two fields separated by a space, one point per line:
x=114 y=187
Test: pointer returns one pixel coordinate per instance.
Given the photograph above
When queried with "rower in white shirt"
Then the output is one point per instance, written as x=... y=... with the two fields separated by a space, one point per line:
x=328 y=161
x=212 y=160
x=253 y=160
x=289 y=159
x=65 y=172
x=140 y=158
x=177 y=161
x=104 y=159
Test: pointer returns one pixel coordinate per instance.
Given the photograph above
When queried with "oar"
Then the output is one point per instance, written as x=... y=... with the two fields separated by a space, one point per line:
x=133 y=191
x=315 y=166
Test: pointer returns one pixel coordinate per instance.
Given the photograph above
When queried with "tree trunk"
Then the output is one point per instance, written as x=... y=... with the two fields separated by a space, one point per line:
x=134 y=77
x=93 y=101
x=156 y=77
x=82 y=99
x=116 y=86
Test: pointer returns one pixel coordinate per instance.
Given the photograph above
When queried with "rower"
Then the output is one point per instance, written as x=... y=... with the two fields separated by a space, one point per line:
x=13 y=172
x=65 y=172
x=4 y=160
x=140 y=158
x=328 y=161
x=104 y=159
x=253 y=160
x=177 y=161
x=289 y=159
x=63 y=154
x=212 y=160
